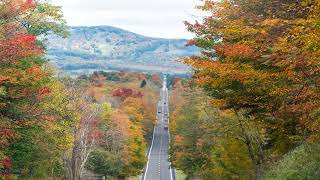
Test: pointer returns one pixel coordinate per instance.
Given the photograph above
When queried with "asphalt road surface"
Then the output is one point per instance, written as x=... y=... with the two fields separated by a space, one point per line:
x=158 y=165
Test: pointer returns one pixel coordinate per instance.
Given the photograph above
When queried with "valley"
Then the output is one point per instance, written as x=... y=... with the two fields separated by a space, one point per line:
x=106 y=48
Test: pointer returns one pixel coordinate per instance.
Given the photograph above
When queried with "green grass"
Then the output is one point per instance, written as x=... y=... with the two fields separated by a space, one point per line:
x=134 y=178
x=180 y=175
x=301 y=163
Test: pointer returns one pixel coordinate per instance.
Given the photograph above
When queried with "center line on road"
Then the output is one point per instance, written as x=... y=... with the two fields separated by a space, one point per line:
x=160 y=141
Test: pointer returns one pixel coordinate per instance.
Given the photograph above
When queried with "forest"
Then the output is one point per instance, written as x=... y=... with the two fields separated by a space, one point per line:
x=55 y=127
x=250 y=111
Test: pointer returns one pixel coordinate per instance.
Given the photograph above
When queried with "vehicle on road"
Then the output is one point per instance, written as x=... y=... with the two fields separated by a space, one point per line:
x=158 y=163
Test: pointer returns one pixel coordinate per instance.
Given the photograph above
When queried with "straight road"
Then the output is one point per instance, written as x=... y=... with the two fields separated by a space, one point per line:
x=158 y=166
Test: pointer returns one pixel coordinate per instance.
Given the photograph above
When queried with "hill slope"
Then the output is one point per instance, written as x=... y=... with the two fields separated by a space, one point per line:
x=108 y=48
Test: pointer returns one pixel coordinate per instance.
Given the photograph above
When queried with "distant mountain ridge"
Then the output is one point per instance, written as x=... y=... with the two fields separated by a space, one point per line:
x=108 y=48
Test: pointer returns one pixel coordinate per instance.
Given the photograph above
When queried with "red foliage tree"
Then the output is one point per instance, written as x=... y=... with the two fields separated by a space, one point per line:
x=14 y=49
x=6 y=162
x=21 y=76
x=124 y=93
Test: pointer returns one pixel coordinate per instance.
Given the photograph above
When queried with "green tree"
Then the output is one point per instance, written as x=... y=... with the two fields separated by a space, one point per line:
x=105 y=163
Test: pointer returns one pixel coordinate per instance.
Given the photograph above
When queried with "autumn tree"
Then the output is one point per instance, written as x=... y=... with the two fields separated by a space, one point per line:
x=86 y=138
x=121 y=152
x=22 y=77
x=125 y=124
x=260 y=60
x=206 y=141
x=124 y=93
x=25 y=80
x=97 y=79
x=141 y=112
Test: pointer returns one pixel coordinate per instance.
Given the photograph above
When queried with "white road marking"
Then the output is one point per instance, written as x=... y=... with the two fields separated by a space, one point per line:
x=164 y=98
x=154 y=130
x=167 y=94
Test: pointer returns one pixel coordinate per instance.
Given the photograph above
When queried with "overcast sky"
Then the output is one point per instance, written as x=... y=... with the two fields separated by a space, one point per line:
x=156 y=18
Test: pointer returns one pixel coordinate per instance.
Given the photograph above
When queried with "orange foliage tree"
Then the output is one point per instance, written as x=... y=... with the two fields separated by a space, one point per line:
x=20 y=76
x=260 y=59
x=23 y=79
